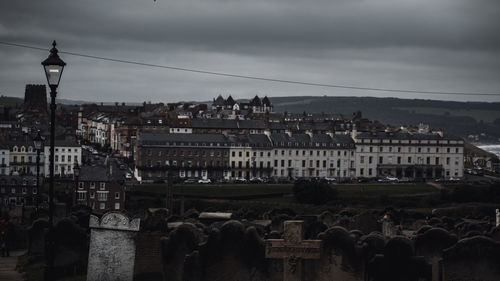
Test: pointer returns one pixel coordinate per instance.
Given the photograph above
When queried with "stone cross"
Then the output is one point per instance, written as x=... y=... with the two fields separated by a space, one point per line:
x=498 y=217
x=112 y=247
x=293 y=250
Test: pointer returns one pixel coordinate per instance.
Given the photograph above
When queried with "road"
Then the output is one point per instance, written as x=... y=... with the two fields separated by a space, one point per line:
x=8 y=270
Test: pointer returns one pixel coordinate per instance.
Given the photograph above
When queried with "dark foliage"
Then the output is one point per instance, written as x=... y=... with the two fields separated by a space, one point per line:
x=313 y=192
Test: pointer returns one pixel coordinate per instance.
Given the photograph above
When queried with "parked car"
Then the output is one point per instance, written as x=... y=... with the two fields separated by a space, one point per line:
x=388 y=179
x=330 y=180
x=204 y=181
x=240 y=180
x=256 y=180
x=190 y=181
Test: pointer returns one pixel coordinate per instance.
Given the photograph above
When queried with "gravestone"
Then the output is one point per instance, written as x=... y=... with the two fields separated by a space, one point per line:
x=388 y=228
x=431 y=244
x=398 y=263
x=112 y=247
x=70 y=247
x=182 y=241
x=366 y=222
x=147 y=265
x=476 y=258
x=292 y=249
x=36 y=237
x=498 y=217
x=340 y=258
x=495 y=233
x=230 y=253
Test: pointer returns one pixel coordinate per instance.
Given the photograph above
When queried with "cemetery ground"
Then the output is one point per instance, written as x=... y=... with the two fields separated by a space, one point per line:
x=421 y=198
x=412 y=202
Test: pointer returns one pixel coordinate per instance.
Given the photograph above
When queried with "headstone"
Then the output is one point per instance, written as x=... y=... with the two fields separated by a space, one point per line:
x=498 y=217
x=495 y=233
x=366 y=222
x=230 y=253
x=476 y=258
x=70 y=244
x=147 y=264
x=388 y=228
x=112 y=247
x=339 y=257
x=398 y=263
x=327 y=218
x=211 y=217
x=292 y=249
x=174 y=248
x=431 y=244
x=36 y=237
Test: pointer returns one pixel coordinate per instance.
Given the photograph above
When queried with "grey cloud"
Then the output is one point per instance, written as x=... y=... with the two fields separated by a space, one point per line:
x=449 y=45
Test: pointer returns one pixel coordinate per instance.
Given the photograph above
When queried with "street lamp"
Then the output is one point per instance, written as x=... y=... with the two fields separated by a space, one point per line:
x=53 y=67
x=76 y=175
x=38 y=142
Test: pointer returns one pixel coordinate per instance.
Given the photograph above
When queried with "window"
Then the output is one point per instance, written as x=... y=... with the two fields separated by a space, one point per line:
x=69 y=158
x=409 y=160
x=81 y=195
x=117 y=206
x=102 y=196
x=117 y=195
x=362 y=171
x=92 y=184
x=361 y=159
x=102 y=185
x=102 y=206
x=62 y=158
x=380 y=159
x=92 y=195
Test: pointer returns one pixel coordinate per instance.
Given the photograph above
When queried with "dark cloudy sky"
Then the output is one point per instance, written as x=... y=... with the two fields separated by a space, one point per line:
x=431 y=45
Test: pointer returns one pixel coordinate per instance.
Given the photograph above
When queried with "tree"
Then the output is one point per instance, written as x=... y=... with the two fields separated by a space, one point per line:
x=314 y=191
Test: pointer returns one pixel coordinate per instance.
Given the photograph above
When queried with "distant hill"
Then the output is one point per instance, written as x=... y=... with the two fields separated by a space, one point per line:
x=10 y=101
x=458 y=118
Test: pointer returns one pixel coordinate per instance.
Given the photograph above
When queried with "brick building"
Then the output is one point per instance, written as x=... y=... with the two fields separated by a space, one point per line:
x=101 y=187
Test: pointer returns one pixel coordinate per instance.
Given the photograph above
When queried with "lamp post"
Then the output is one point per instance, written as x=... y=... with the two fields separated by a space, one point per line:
x=38 y=142
x=76 y=175
x=53 y=67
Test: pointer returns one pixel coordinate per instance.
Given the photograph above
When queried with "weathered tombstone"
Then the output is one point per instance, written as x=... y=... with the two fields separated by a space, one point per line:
x=230 y=253
x=36 y=237
x=398 y=263
x=366 y=222
x=147 y=265
x=174 y=248
x=476 y=258
x=70 y=246
x=495 y=234
x=431 y=244
x=112 y=247
x=498 y=217
x=211 y=217
x=340 y=259
x=327 y=218
x=292 y=249
x=388 y=228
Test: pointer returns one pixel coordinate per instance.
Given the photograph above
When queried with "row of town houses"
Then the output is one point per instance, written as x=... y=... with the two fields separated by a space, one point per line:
x=400 y=154
x=19 y=157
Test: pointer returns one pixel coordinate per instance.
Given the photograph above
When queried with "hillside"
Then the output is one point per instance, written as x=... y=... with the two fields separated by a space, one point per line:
x=458 y=118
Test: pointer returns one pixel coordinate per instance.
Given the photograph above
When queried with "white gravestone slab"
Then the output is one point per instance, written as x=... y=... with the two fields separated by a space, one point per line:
x=112 y=247
x=498 y=217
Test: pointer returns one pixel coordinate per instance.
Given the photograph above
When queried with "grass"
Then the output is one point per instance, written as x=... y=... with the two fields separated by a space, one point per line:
x=252 y=191
x=217 y=190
